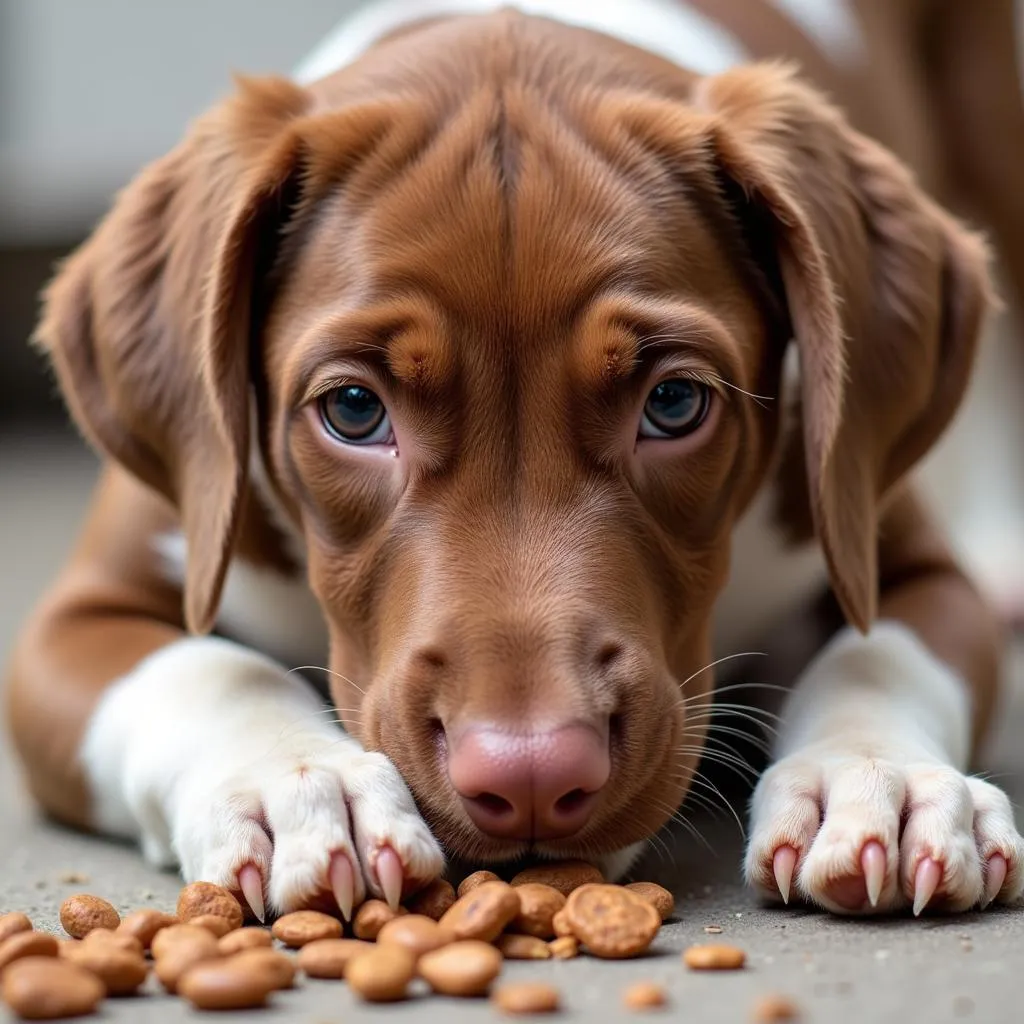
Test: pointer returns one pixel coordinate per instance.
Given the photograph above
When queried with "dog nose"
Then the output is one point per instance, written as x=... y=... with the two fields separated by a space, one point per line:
x=534 y=786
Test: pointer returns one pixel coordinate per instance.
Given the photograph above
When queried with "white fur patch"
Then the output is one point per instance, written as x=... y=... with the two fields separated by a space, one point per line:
x=206 y=750
x=259 y=607
x=669 y=28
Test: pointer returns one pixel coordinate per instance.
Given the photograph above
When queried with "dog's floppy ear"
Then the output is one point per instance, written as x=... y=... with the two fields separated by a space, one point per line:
x=148 y=324
x=885 y=295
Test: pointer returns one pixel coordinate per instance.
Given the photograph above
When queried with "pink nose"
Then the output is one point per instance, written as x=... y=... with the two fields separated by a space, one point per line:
x=534 y=786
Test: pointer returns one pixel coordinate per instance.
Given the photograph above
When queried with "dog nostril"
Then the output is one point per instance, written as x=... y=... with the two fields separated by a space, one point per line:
x=571 y=802
x=494 y=804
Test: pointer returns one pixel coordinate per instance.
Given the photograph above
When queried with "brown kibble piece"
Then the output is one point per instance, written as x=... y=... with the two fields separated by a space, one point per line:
x=371 y=917
x=417 y=933
x=303 y=926
x=560 y=924
x=245 y=938
x=527 y=997
x=775 y=1009
x=464 y=968
x=224 y=985
x=182 y=955
x=612 y=922
x=714 y=958
x=13 y=923
x=277 y=967
x=82 y=913
x=382 y=975
x=433 y=901
x=523 y=947
x=329 y=958
x=45 y=988
x=644 y=995
x=144 y=924
x=565 y=876
x=538 y=905
x=565 y=947
x=659 y=898
x=24 y=944
x=168 y=937
x=483 y=913
x=470 y=882
x=111 y=939
x=200 y=898
x=217 y=926
x=120 y=970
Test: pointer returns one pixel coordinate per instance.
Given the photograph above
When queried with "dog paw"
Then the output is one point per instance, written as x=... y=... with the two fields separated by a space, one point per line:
x=319 y=829
x=860 y=835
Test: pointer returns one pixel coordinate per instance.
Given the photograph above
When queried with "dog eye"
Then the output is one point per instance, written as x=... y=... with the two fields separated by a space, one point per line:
x=355 y=415
x=675 y=408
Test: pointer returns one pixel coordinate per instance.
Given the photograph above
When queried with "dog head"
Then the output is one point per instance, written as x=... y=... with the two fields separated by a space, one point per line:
x=511 y=303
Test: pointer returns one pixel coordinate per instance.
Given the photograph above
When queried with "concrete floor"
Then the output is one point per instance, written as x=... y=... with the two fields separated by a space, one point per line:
x=936 y=969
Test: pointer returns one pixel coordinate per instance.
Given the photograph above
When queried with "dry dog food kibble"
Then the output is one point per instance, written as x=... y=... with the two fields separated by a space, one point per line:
x=565 y=947
x=538 y=905
x=329 y=958
x=565 y=876
x=560 y=924
x=434 y=900
x=464 y=968
x=12 y=923
x=482 y=913
x=416 y=933
x=659 y=898
x=470 y=882
x=179 y=956
x=303 y=926
x=115 y=939
x=523 y=947
x=201 y=898
x=175 y=933
x=527 y=997
x=714 y=958
x=612 y=922
x=82 y=913
x=370 y=918
x=144 y=924
x=382 y=975
x=245 y=938
x=25 y=944
x=218 y=927
x=775 y=1009
x=121 y=971
x=45 y=988
x=224 y=985
x=644 y=995
x=277 y=968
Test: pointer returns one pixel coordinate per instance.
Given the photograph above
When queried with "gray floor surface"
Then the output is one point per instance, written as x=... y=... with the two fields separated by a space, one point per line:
x=935 y=969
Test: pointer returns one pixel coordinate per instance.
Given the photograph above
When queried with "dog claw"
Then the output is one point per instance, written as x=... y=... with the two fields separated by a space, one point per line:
x=343 y=883
x=783 y=865
x=926 y=881
x=995 y=876
x=872 y=863
x=390 y=876
x=250 y=882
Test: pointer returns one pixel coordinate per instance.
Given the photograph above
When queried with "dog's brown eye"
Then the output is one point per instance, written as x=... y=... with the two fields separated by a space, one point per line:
x=675 y=407
x=355 y=415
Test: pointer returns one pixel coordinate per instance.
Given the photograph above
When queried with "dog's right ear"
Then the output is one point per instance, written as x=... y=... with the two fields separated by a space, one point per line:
x=148 y=324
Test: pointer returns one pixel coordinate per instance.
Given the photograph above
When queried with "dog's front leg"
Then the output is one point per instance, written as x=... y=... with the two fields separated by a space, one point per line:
x=868 y=807
x=216 y=758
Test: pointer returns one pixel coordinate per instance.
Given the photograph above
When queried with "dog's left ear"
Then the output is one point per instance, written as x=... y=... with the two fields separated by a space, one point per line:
x=885 y=293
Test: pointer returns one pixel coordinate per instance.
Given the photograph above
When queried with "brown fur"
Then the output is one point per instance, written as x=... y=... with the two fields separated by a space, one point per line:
x=500 y=225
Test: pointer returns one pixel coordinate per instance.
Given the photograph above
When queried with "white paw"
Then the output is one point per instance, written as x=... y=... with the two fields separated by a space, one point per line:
x=860 y=835
x=311 y=824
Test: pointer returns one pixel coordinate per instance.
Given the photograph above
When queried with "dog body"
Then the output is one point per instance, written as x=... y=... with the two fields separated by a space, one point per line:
x=463 y=368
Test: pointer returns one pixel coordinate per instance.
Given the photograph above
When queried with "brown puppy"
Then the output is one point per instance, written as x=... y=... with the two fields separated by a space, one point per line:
x=468 y=362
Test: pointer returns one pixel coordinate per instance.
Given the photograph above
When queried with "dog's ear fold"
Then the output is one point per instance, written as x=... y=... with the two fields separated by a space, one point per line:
x=885 y=293
x=149 y=323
